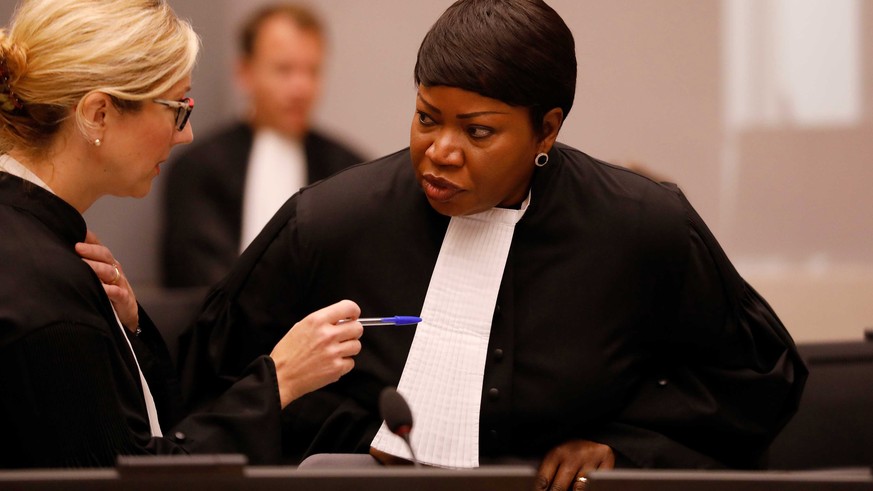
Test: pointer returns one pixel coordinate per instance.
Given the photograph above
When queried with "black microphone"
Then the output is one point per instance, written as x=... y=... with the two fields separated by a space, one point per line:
x=397 y=415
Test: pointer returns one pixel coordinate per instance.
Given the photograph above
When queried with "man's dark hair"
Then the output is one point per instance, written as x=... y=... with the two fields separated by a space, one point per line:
x=301 y=16
x=517 y=51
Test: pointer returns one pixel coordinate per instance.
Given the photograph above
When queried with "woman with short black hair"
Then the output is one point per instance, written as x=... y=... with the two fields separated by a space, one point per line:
x=575 y=313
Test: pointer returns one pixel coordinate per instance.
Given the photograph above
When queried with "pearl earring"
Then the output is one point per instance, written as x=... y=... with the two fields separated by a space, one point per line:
x=97 y=142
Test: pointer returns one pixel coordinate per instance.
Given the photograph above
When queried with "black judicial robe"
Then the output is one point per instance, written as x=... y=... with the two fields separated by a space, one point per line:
x=70 y=392
x=619 y=318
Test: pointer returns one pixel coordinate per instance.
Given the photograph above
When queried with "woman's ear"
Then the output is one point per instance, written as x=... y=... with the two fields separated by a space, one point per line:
x=95 y=109
x=552 y=122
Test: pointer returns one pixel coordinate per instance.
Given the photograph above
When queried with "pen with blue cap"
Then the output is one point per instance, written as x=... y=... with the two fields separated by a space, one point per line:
x=397 y=320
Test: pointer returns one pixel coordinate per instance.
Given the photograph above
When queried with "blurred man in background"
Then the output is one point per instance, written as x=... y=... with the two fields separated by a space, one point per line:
x=223 y=190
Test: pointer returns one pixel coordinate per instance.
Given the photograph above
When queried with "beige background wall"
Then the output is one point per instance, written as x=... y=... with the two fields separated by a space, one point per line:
x=789 y=202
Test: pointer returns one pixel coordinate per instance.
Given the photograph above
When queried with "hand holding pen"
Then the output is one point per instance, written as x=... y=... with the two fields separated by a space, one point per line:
x=318 y=350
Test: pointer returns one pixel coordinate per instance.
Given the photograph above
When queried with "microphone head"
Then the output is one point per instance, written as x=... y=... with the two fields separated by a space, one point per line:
x=395 y=411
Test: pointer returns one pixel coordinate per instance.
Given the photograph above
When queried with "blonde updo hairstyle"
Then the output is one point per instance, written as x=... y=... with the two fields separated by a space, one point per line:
x=56 y=52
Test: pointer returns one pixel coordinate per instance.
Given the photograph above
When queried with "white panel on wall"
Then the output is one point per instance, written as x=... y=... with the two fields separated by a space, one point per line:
x=793 y=62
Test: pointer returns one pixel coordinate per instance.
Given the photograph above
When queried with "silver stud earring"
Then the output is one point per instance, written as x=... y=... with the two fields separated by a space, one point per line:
x=542 y=159
x=97 y=142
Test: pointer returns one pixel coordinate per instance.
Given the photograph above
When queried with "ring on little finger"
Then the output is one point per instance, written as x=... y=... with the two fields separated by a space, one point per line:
x=117 y=275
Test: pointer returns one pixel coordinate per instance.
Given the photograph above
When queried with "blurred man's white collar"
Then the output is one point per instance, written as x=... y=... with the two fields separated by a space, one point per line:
x=276 y=170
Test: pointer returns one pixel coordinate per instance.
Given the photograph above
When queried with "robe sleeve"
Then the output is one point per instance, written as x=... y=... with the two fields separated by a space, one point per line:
x=245 y=419
x=727 y=376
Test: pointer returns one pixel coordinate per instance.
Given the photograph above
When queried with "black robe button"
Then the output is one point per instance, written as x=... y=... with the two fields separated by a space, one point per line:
x=498 y=354
x=493 y=394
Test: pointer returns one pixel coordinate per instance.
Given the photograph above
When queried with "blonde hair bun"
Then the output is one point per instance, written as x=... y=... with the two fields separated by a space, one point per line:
x=58 y=51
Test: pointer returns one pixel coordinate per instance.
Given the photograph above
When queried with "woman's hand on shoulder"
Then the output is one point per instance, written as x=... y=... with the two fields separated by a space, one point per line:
x=565 y=464
x=318 y=350
x=111 y=274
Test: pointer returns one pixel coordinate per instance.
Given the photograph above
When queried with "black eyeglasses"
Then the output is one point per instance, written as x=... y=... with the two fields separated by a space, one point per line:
x=183 y=110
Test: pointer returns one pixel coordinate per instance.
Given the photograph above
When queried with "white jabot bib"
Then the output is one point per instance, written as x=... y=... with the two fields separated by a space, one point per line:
x=14 y=167
x=442 y=378
x=276 y=170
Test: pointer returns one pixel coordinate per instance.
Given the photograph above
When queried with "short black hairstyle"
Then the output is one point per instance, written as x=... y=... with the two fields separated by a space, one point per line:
x=517 y=51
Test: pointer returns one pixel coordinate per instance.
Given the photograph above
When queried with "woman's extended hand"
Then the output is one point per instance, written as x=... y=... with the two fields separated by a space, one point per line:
x=565 y=464
x=318 y=350
x=119 y=291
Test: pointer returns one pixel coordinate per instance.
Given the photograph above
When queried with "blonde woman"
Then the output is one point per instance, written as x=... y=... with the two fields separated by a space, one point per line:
x=92 y=99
